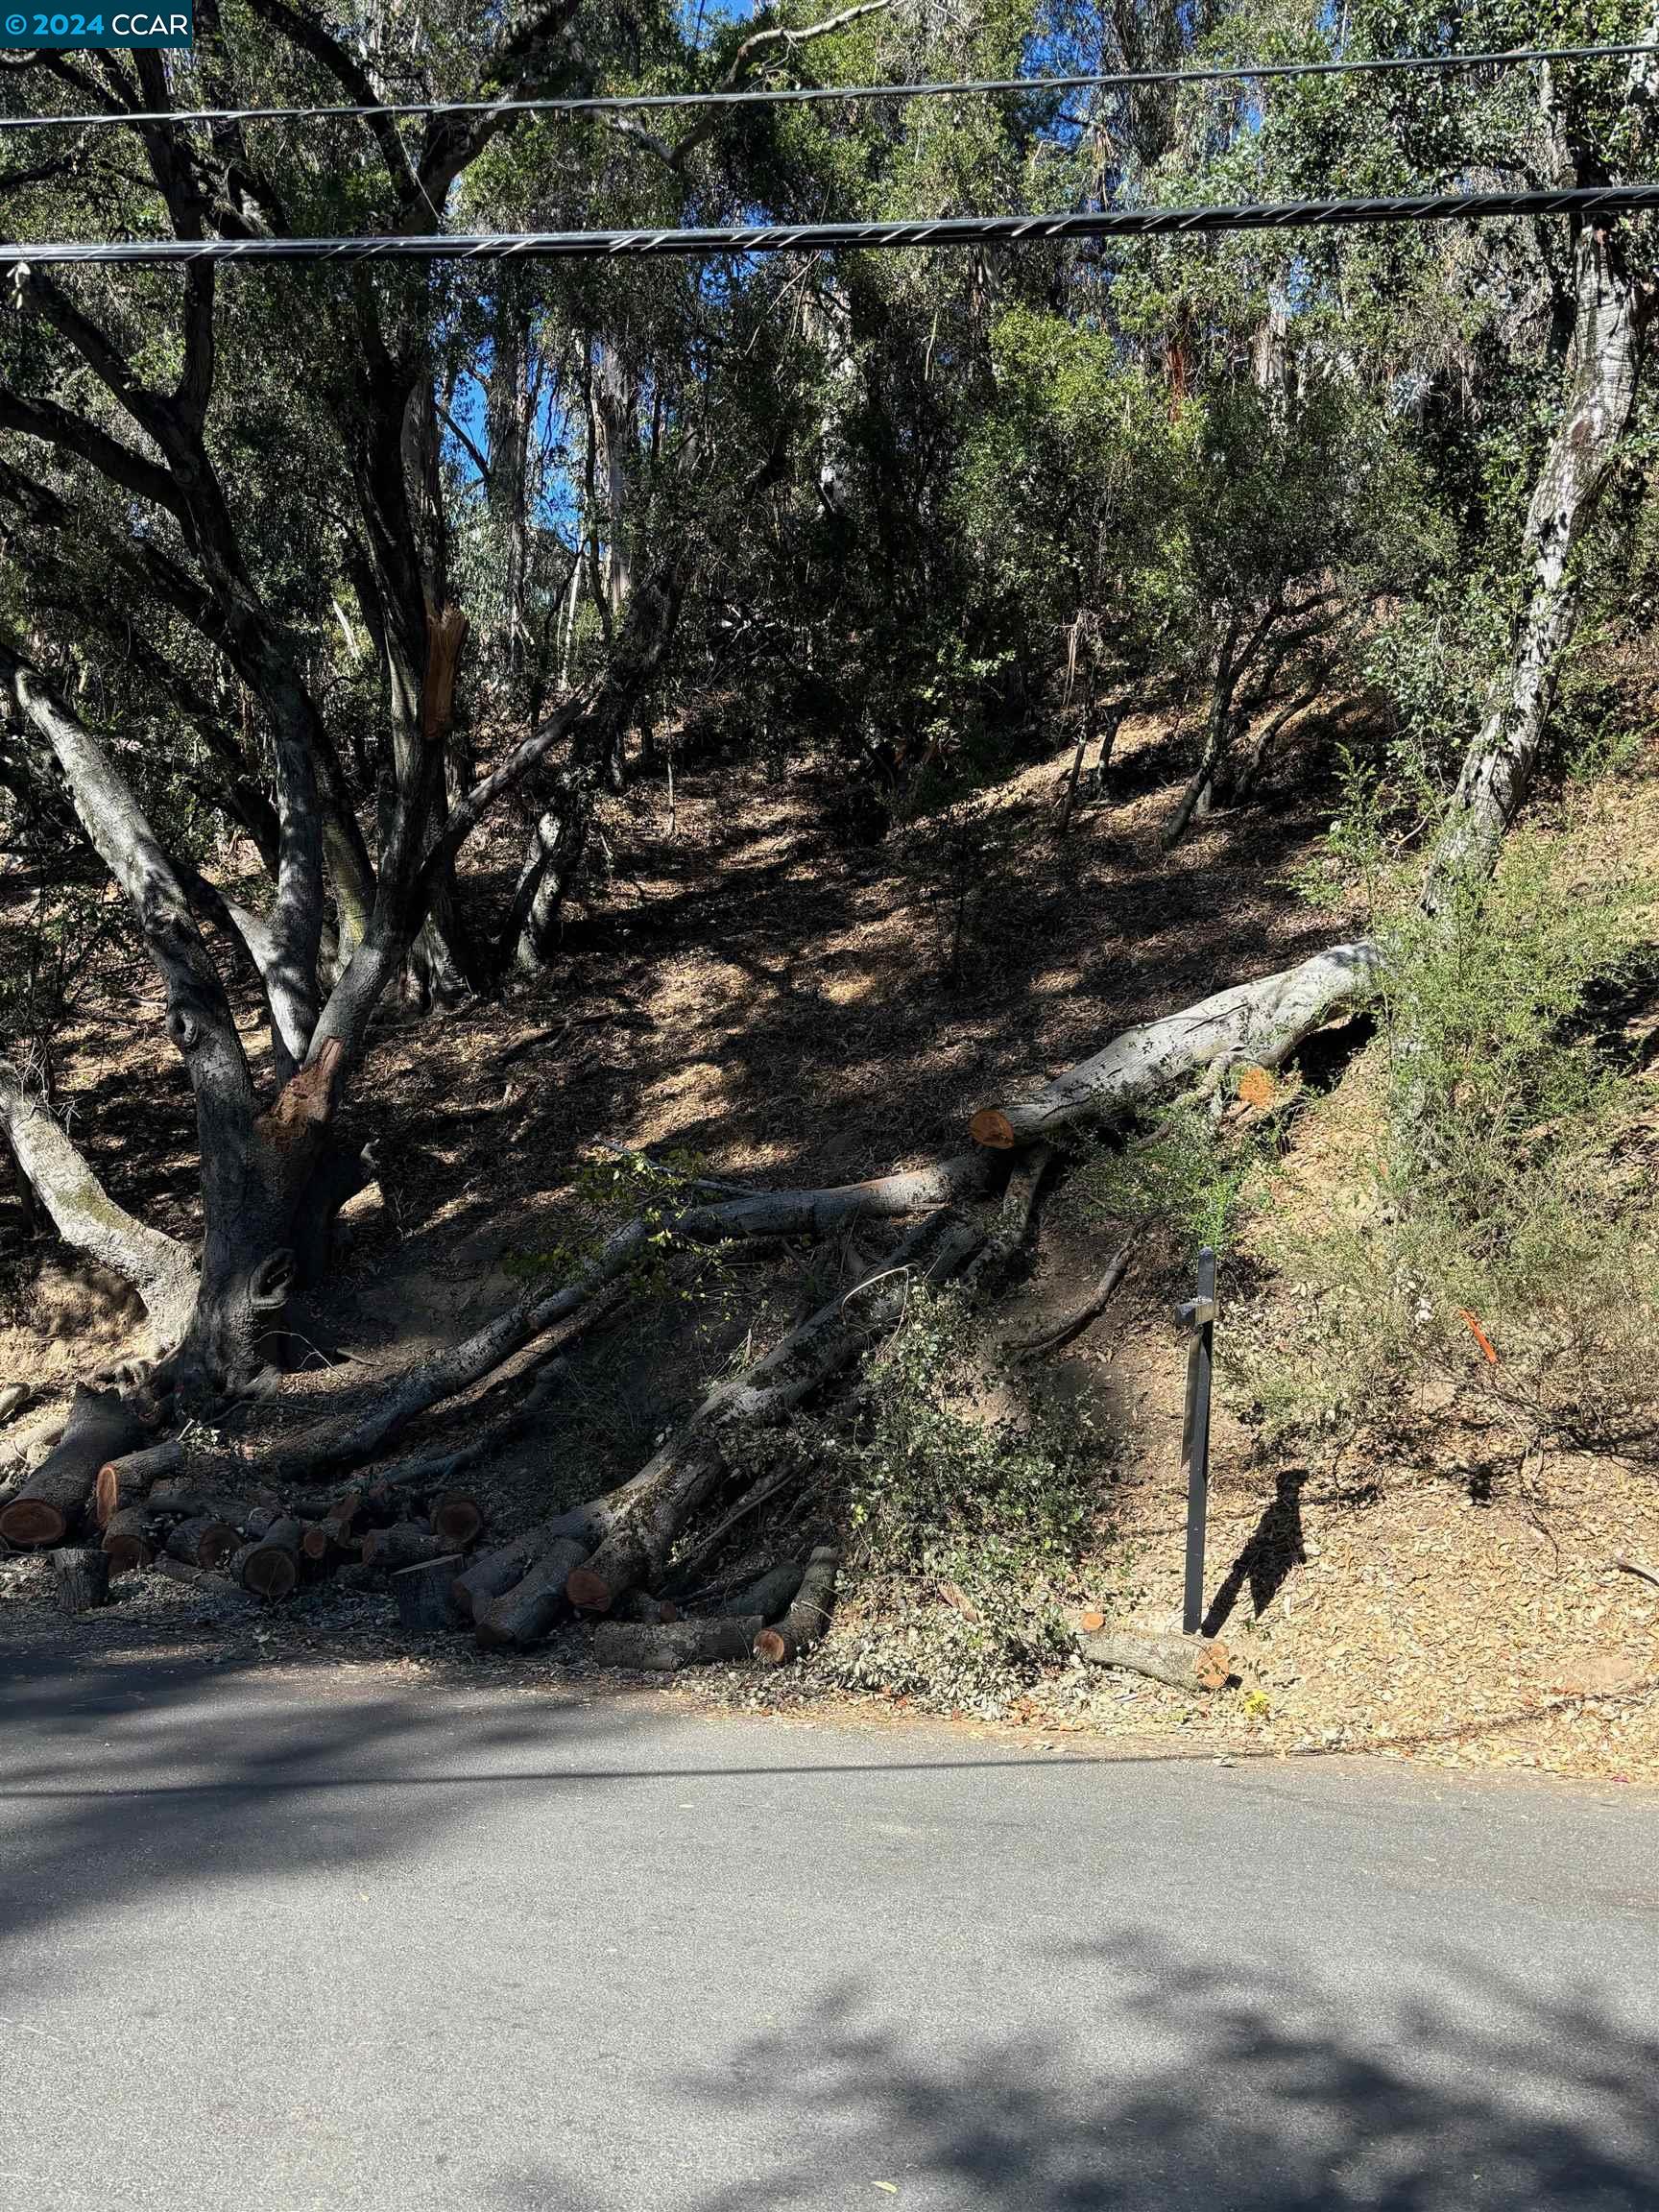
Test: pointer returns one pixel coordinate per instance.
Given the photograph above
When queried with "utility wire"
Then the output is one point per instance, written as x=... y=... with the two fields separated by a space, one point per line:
x=627 y=103
x=819 y=237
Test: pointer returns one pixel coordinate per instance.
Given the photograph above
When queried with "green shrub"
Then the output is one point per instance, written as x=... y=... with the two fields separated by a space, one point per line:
x=948 y=1476
x=1498 y=1237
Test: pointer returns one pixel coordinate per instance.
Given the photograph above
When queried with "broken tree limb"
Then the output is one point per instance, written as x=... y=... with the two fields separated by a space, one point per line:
x=1181 y=1662
x=129 y=1479
x=576 y=1307
x=1091 y=1309
x=1011 y=1230
x=638 y=1522
x=665 y=1646
x=807 y=1617
x=50 y=1505
x=1260 y=1024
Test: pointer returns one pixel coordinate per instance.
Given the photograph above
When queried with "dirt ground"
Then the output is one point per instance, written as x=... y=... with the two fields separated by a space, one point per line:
x=790 y=1010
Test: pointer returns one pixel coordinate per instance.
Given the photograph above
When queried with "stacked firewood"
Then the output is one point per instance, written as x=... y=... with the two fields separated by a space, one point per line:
x=106 y=1504
x=103 y=1489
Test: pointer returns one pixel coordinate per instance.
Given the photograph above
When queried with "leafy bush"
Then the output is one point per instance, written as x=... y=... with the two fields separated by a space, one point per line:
x=961 y=1482
x=1498 y=1231
x=1184 y=1173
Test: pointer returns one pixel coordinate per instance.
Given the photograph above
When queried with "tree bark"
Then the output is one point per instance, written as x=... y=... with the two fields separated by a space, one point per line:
x=83 y=1580
x=524 y=1612
x=807 y=1617
x=201 y=1542
x=49 y=1506
x=158 y=1267
x=1251 y=1025
x=129 y=1479
x=664 y=1646
x=127 y=1543
x=422 y=1594
x=1182 y=1662
x=272 y=1567
x=1608 y=344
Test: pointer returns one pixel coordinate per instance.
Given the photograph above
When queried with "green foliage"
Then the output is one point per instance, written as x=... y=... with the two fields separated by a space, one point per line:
x=950 y=1475
x=1184 y=1174
x=1501 y=1196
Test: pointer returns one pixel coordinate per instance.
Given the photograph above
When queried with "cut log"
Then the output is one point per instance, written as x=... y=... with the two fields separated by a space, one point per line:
x=456 y=1516
x=183 y=1496
x=50 y=1506
x=486 y=1578
x=1260 y=1024
x=665 y=1646
x=638 y=1522
x=201 y=1540
x=272 y=1568
x=1182 y=1662
x=1011 y=1231
x=523 y=1614
x=198 y=1577
x=641 y=1605
x=422 y=1594
x=770 y=1595
x=128 y=1481
x=806 y=1620
x=405 y=1544
x=13 y=1398
x=127 y=1543
x=82 y=1578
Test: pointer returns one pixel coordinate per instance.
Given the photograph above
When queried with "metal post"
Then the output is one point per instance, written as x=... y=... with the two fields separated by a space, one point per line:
x=1198 y=1316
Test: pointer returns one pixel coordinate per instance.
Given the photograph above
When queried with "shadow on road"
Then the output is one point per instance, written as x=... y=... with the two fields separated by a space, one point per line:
x=1241 y=2095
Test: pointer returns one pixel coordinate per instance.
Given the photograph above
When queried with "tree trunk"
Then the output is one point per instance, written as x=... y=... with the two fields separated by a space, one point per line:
x=405 y=1544
x=424 y=1595
x=50 y=1505
x=85 y=1216
x=1257 y=1024
x=1608 y=344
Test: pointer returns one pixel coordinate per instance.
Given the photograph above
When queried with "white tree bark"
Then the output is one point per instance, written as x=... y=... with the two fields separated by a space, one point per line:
x=1253 y=1024
x=1605 y=365
x=158 y=1267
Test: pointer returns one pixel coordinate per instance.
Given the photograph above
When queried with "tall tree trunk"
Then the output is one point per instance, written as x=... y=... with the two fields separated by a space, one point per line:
x=1608 y=344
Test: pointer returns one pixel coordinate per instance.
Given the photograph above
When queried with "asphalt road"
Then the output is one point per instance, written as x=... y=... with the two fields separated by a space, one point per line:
x=297 y=1944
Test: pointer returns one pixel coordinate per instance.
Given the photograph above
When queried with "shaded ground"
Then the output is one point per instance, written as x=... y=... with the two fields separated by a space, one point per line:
x=336 y=1944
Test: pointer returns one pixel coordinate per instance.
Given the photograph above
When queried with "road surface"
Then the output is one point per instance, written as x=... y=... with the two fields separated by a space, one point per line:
x=318 y=1942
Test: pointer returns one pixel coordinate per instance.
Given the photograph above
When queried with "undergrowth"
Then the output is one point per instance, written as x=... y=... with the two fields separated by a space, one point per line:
x=969 y=1500
x=1493 y=1239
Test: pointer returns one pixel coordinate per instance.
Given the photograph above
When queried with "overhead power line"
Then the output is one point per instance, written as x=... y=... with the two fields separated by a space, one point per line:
x=830 y=237
x=767 y=96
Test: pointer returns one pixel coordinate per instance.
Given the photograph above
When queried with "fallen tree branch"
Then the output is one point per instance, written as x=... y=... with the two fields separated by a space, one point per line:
x=1258 y=1024
x=1091 y=1309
